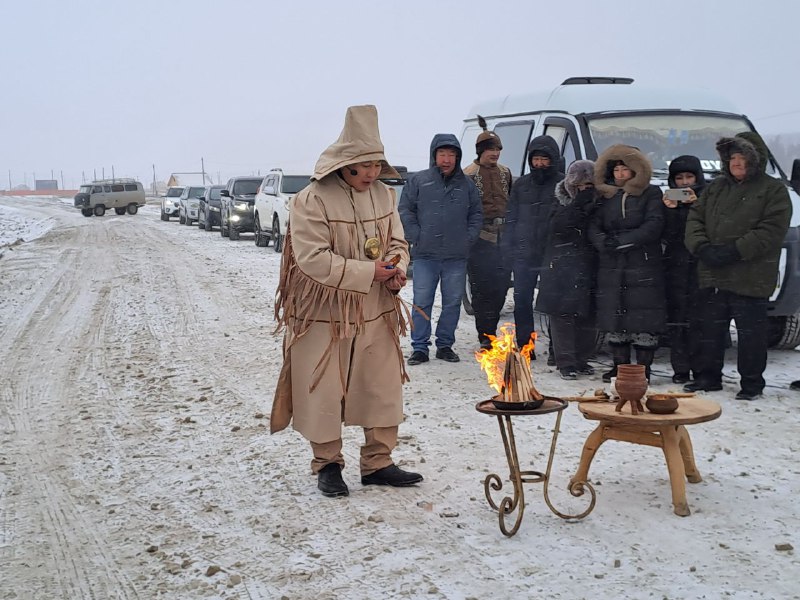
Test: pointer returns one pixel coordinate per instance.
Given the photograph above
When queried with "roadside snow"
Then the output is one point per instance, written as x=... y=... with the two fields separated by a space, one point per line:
x=137 y=367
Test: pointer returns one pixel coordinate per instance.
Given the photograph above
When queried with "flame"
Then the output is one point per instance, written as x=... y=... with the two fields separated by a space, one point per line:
x=493 y=361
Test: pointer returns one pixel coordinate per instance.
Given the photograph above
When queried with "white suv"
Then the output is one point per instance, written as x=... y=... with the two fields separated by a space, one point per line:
x=170 y=202
x=272 y=206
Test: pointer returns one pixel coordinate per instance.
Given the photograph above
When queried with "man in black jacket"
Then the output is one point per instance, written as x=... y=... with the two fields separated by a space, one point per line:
x=525 y=237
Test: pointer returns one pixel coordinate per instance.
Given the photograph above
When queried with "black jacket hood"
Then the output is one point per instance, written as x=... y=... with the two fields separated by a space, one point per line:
x=687 y=164
x=546 y=145
x=751 y=146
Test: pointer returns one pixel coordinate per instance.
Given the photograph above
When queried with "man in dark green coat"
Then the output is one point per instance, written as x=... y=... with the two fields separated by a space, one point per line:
x=736 y=230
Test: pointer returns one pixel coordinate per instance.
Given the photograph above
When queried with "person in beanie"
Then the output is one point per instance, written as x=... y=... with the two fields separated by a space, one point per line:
x=489 y=277
x=337 y=304
x=680 y=268
x=441 y=212
x=736 y=230
x=525 y=235
x=567 y=279
x=626 y=231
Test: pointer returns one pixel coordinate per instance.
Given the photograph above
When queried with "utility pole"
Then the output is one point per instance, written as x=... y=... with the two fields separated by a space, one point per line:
x=155 y=192
x=62 y=180
x=104 y=172
x=203 y=169
x=95 y=175
x=112 y=173
x=51 y=174
x=9 y=179
x=83 y=177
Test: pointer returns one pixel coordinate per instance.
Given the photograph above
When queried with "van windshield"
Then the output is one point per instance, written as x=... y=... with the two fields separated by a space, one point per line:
x=291 y=184
x=662 y=137
x=86 y=189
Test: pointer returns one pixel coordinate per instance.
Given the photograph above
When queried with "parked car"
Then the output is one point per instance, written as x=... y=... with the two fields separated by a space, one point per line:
x=238 y=198
x=271 y=217
x=123 y=195
x=208 y=209
x=170 y=202
x=189 y=202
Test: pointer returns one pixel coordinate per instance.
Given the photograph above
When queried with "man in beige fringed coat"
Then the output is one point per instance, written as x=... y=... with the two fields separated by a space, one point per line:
x=337 y=303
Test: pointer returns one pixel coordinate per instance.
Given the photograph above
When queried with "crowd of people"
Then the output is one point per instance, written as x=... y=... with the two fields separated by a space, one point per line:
x=608 y=251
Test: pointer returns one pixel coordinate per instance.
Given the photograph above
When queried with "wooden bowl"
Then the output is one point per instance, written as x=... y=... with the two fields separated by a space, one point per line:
x=661 y=404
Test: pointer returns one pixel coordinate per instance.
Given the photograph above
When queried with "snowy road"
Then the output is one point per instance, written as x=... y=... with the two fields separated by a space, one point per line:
x=136 y=374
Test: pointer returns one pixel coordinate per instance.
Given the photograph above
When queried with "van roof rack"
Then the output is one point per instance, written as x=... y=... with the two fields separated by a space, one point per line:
x=116 y=180
x=590 y=80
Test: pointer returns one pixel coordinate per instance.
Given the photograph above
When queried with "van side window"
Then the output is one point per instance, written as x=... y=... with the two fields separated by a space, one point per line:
x=515 y=137
x=130 y=187
x=565 y=141
x=97 y=189
x=117 y=187
x=106 y=188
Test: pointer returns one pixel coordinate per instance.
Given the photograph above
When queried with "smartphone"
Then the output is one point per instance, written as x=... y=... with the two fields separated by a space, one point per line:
x=678 y=194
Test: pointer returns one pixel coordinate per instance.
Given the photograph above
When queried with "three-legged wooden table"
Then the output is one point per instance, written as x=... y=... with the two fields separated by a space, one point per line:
x=667 y=432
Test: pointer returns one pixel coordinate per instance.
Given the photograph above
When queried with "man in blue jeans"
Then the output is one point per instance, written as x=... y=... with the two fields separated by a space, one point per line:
x=441 y=212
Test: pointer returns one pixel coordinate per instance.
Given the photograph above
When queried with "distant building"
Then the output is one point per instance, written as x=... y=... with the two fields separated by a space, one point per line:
x=196 y=179
x=46 y=184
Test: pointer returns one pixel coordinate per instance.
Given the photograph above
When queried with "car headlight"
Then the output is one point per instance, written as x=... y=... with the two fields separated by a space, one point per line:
x=242 y=206
x=214 y=208
x=235 y=218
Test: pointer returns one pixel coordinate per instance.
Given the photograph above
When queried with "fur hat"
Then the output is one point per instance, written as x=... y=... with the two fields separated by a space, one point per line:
x=748 y=144
x=486 y=139
x=580 y=171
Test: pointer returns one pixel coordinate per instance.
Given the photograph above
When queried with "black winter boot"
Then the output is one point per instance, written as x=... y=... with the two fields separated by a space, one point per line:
x=644 y=356
x=621 y=354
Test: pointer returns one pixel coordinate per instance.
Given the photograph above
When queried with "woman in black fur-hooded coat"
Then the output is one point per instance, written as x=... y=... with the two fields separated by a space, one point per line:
x=626 y=231
x=680 y=269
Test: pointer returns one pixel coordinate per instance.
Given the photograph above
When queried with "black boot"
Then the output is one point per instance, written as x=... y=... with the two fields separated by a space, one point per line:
x=391 y=475
x=621 y=354
x=330 y=482
x=644 y=356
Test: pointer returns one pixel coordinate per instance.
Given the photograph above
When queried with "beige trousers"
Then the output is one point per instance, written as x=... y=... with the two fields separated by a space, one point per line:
x=376 y=453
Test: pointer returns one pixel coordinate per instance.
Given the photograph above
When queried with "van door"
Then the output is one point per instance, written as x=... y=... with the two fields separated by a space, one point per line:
x=564 y=132
x=515 y=136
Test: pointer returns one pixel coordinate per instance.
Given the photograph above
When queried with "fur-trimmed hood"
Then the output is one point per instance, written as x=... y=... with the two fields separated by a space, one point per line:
x=633 y=159
x=687 y=163
x=751 y=146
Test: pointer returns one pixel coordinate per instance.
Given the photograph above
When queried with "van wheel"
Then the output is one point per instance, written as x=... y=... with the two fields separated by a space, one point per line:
x=119 y=211
x=164 y=216
x=783 y=332
x=262 y=241
x=233 y=233
x=133 y=209
x=99 y=210
x=87 y=212
x=277 y=238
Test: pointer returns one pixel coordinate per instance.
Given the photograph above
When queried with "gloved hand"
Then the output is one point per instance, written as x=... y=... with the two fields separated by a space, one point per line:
x=718 y=255
x=584 y=199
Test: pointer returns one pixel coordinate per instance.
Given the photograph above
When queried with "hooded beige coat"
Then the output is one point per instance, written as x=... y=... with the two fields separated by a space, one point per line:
x=342 y=355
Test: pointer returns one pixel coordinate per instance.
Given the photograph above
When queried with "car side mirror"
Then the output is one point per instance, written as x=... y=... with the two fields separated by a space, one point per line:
x=225 y=193
x=270 y=190
x=795 y=179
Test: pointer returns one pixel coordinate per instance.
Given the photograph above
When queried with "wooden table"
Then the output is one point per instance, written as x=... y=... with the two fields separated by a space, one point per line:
x=667 y=432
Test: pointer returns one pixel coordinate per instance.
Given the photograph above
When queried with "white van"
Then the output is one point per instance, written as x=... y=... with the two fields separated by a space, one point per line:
x=123 y=195
x=586 y=115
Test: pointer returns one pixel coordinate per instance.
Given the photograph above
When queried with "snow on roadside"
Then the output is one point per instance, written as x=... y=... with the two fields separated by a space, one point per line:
x=20 y=223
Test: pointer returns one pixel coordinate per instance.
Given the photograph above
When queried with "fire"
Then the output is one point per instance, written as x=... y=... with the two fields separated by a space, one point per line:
x=493 y=361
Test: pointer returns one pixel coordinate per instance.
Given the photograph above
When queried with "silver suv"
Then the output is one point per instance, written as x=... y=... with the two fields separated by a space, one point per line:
x=189 y=202
x=271 y=216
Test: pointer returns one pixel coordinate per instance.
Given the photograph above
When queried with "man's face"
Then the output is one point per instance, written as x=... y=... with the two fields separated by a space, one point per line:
x=622 y=174
x=366 y=174
x=540 y=162
x=490 y=157
x=738 y=166
x=446 y=160
x=684 y=180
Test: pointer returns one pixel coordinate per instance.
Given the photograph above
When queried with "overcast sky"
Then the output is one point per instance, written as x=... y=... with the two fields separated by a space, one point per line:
x=248 y=85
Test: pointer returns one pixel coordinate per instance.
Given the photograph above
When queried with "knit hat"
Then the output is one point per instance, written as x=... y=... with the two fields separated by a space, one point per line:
x=486 y=139
x=579 y=172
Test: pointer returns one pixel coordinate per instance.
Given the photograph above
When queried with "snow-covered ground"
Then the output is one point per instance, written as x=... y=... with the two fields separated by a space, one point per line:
x=137 y=365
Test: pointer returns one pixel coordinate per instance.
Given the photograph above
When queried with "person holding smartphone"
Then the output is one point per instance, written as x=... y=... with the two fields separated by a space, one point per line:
x=686 y=182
